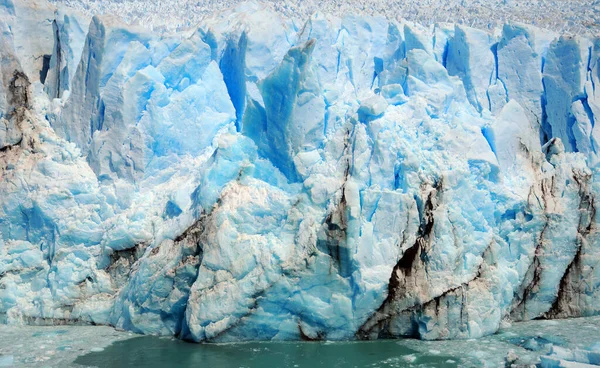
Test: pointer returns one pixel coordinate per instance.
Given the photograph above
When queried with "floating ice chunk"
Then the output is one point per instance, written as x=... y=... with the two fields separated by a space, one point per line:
x=6 y=360
x=560 y=357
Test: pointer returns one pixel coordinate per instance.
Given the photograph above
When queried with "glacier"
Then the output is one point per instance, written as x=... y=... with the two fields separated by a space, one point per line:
x=267 y=178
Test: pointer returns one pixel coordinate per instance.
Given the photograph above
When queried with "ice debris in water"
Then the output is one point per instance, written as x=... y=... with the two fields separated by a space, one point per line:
x=61 y=346
x=560 y=357
x=265 y=177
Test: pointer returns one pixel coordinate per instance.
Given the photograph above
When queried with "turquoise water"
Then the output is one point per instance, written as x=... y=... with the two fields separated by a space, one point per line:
x=161 y=352
x=103 y=346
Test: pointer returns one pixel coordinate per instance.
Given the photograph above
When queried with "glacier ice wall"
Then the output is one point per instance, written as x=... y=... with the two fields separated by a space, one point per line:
x=268 y=178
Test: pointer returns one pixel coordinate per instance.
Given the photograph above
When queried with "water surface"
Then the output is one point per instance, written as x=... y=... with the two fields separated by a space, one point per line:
x=161 y=352
x=102 y=346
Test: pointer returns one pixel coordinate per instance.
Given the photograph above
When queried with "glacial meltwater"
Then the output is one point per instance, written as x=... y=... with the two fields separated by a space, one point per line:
x=161 y=352
x=521 y=344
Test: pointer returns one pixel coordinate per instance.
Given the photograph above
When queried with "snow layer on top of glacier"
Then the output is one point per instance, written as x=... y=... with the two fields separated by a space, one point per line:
x=564 y=16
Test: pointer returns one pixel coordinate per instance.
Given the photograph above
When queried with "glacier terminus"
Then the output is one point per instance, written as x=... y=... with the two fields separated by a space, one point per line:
x=259 y=177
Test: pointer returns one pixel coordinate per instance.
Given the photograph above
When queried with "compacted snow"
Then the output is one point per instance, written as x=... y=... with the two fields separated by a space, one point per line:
x=567 y=16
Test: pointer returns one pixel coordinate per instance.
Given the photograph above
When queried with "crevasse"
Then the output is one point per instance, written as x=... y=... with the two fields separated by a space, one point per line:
x=266 y=178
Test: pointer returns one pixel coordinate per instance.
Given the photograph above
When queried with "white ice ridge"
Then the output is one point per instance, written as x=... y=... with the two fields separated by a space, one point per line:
x=258 y=177
x=565 y=16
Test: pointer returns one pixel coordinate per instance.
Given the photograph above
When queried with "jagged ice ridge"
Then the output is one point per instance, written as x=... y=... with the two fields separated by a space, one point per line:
x=565 y=16
x=263 y=178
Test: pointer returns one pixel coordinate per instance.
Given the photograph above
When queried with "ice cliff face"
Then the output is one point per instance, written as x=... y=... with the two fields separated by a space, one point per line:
x=264 y=178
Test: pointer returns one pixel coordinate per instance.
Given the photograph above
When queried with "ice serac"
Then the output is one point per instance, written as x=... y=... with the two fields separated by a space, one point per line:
x=569 y=115
x=470 y=56
x=257 y=177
